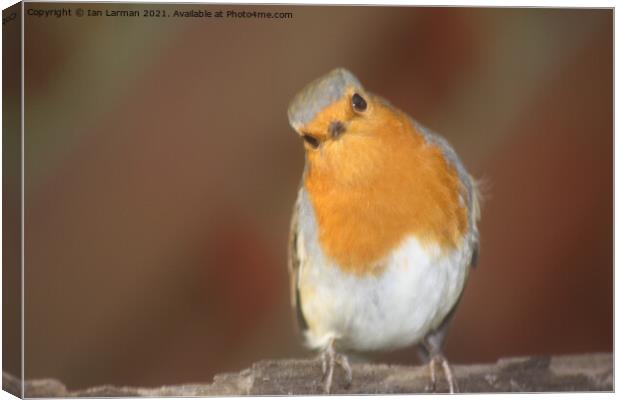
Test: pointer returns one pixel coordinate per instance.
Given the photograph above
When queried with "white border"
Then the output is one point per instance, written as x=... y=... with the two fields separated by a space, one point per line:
x=471 y=3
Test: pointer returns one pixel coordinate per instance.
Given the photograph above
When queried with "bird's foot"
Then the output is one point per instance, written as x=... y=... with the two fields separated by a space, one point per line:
x=447 y=370
x=329 y=359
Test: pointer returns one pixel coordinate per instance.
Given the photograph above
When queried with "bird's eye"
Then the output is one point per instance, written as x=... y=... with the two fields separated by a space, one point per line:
x=311 y=140
x=358 y=102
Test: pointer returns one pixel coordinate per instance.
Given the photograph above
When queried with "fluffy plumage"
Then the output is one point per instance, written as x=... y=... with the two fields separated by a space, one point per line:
x=384 y=227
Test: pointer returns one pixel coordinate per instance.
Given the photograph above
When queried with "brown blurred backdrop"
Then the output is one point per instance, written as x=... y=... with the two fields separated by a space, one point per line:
x=161 y=172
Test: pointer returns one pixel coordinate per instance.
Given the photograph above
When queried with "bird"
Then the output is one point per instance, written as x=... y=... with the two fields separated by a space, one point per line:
x=384 y=228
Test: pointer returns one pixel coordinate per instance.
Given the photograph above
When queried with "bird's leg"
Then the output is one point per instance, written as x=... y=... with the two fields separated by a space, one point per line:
x=328 y=367
x=447 y=370
x=430 y=352
x=329 y=359
x=432 y=364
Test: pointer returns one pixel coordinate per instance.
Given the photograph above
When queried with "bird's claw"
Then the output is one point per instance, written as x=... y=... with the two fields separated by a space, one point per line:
x=447 y=370
x=342 y=360
x=432 y=386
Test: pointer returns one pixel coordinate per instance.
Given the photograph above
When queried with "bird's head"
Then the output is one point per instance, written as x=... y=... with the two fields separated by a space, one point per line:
x=329 y=108
x=347 y=131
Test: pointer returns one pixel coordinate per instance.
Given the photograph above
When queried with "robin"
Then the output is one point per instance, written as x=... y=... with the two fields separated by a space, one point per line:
x=383 y=232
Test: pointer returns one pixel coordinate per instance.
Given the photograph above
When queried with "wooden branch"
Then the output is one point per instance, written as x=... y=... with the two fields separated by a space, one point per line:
x=586 y=372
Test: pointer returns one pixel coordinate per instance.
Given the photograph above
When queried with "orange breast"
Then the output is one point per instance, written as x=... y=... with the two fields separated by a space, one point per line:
x=378 y=184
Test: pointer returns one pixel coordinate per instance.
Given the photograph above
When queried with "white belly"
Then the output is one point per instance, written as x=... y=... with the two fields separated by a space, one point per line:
x=396 y=308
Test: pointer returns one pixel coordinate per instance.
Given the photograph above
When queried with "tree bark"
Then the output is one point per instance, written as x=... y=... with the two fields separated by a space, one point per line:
x=585 y=372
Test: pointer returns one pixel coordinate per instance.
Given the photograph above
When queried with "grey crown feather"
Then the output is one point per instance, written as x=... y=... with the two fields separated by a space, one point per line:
x=319 y=94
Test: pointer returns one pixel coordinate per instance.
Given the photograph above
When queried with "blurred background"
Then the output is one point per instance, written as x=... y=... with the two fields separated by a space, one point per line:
x=161 y=173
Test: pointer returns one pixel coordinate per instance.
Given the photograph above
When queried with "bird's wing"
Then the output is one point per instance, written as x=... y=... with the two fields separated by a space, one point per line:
x=474 y=210
x=293 y=267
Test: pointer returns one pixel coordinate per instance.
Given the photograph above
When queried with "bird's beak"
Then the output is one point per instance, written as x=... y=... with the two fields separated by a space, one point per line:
x=311 y=140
